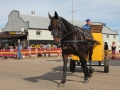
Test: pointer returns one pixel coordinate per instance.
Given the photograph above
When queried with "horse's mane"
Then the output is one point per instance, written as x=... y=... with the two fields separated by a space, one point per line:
x=64 y=20
x=76 y=27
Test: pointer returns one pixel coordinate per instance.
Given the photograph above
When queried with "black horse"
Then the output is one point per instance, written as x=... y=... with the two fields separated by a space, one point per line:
x=72 y=41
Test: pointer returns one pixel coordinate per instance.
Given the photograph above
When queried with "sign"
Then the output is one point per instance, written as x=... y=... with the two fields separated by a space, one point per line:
x=18 y=32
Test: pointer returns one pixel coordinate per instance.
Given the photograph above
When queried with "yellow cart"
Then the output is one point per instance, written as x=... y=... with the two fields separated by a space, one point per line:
x=98 y=52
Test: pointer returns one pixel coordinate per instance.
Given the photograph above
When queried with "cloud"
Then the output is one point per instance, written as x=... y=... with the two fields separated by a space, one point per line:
x=106 y=11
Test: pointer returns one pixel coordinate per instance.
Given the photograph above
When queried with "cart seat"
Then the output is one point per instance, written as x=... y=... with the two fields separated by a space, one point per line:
x=96 y=27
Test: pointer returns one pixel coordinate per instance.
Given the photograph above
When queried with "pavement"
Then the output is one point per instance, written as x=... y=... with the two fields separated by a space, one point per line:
x=46 y=73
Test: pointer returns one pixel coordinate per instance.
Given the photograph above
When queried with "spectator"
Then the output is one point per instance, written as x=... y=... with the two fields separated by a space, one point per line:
x=19 y=52
x=49 y=48
x=105 y=49
x=3 y=49
x=119 y=48
x=41 y=46
x=54 y=46
x=11 y=50
x=29 y=50
x=16 y=47
x=113 y=48
x=44 y=47
x=36 y=50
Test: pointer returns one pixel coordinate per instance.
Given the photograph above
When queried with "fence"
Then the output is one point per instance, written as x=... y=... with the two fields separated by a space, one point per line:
x=36 y=52
x=28 y=52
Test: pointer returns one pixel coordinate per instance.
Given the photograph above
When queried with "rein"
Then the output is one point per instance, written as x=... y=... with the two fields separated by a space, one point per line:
x=76 y=41
x=68 y=41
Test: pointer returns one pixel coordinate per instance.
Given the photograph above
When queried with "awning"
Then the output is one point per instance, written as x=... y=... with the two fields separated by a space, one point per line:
x=12 y=34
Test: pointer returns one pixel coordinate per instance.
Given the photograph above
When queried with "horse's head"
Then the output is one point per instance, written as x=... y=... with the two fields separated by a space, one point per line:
x=56 y=28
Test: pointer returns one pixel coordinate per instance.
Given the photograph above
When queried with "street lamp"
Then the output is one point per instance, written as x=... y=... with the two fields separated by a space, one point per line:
x=72 y=12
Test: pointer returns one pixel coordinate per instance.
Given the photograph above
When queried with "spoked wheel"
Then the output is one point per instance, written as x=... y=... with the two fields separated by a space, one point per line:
x=78 y=62
x=99 y=62
x=106 y=65
x=72 y=65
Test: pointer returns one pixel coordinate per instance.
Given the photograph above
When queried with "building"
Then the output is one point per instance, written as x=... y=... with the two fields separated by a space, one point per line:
x=27 y=29
x=0 y=29
x=0 y=40
x=33 y=30
x=109 y=36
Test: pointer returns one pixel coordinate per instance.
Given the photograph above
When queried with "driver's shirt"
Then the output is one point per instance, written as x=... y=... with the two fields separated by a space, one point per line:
x=86 y=27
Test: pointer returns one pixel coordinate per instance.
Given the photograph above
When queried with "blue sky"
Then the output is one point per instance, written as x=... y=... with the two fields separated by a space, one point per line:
x=106 y=11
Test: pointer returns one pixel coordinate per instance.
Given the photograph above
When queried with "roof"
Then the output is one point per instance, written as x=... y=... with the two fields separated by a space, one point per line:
x=43 y=23
x=36 y=21
x=16 y=21
x=107 y=30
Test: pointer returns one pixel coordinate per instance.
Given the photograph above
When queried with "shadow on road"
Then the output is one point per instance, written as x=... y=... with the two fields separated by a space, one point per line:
x=56 y=74
x=99 y=71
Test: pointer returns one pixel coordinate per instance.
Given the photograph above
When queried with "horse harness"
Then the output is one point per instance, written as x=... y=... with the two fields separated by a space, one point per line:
x=62 y=27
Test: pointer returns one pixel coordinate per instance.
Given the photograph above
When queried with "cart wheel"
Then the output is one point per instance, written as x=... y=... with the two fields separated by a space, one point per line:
x=72 y=65
x=99 y=63
x=106 y=65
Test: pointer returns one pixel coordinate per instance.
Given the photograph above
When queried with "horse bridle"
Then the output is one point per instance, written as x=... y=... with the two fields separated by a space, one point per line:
x=61 y=28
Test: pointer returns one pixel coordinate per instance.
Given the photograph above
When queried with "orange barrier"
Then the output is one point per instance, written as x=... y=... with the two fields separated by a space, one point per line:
x=57 y=51
x=27 y=52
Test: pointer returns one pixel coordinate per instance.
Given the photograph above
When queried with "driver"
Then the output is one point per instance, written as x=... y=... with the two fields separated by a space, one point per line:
x=87 y=26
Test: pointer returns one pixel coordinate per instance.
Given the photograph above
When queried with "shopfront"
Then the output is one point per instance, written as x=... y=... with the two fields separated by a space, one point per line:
x=12 y=38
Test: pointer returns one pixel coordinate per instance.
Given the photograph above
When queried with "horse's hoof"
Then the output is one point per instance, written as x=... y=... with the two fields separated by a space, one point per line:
x=61 y=85
x=90 y=75
x=86 y=81
x=91 y=71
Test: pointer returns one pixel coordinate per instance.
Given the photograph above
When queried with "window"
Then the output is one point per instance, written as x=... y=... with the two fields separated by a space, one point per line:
x=38 y=32
x=114 y=36
x=107 y=36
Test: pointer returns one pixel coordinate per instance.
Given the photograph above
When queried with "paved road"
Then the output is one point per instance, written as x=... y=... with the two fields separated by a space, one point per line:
x=111 y=62
x=45 y=74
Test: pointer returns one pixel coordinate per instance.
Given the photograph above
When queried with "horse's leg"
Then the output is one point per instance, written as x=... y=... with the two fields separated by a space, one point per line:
x=65 y=60
x=84 y=67
x=90 y=60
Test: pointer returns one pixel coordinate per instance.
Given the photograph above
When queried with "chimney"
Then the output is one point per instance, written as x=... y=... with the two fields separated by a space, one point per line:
x=33 y=13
